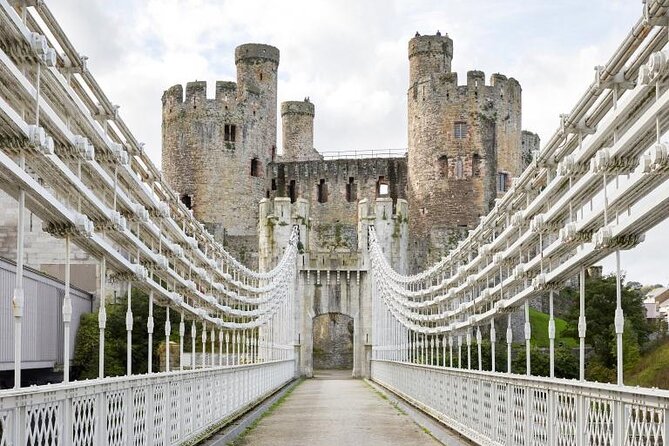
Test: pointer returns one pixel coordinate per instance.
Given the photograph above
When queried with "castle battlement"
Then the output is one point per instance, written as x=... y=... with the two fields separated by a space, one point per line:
x=476 y=83
x=196 y=93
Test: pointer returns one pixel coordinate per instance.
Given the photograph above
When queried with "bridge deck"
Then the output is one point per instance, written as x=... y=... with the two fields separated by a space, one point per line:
x=333 y=409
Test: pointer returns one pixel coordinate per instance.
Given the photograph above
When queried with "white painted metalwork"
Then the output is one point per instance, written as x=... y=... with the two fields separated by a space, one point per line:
x=598 y=185
x=68 y=158
x=505 y=409
x=156 y=409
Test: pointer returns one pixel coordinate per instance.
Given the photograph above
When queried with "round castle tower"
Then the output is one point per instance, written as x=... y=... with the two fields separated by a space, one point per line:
x=464 y=146
x=297 y=125
x=215 y=151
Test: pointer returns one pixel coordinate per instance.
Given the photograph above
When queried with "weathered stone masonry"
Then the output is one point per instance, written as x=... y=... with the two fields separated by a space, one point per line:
x=215 y=151
x=465 y=145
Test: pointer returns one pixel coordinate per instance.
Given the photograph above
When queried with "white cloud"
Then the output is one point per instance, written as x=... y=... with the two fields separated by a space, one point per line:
x=349 y=56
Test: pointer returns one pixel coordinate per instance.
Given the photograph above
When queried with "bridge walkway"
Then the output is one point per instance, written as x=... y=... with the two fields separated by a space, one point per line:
x=333 y=409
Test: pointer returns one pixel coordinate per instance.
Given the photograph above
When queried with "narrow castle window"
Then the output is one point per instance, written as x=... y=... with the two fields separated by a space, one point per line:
x=382 y=187
x=442 y=164
x=255 y=167
x=322 y=191
x=502 y=178
x=476 y=165
x=460 y=130
x=459 y=169
x=292 y=191
x=230 y=133
x=261 y=75
x=273 y=183
x=187 y=201
x=351 y=190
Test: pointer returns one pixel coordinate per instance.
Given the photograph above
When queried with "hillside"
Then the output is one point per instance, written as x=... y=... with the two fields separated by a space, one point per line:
x=652 y=370
x=539 y=323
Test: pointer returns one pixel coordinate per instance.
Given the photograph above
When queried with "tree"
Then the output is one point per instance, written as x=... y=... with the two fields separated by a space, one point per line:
x=600 y=306
x=85 y=361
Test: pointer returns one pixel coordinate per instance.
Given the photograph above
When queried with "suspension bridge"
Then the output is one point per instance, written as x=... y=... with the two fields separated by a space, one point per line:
x=594 y=190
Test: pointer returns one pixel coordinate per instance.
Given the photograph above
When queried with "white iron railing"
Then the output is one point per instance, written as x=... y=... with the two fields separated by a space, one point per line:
x=515 y=410
x=157 y=409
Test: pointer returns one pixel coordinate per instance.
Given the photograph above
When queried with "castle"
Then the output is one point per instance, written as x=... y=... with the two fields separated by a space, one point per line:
x=465 y=144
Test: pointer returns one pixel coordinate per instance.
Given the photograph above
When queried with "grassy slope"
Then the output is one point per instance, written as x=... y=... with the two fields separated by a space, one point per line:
x=652 y=370
x=539 y=323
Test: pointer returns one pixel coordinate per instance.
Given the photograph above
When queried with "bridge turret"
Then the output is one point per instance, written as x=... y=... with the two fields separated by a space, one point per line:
x=390 y=221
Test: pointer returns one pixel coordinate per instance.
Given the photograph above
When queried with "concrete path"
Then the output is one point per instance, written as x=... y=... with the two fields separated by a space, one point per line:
x=333 y=409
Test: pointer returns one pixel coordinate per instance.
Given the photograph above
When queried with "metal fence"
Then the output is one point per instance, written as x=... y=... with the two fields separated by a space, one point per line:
x=156 y=409
x=516 y=410
x=366 y=153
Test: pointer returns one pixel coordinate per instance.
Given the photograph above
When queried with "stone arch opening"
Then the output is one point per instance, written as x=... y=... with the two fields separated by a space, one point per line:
x=333 y=342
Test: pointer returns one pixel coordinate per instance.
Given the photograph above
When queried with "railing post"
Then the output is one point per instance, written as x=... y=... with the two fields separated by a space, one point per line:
x=168 y=332
x=509 y=340
x=478 y=346
x=581 y=325
x=551 y=335
x=550 y=413
x=67 y=418
x=101 y=419
x=493 y=339
x=67 y=314
x=204 y=344
x=193 y=336
x=18 y=298
x=618 y=422
x=150 y=413
x=581 y=414
x=450 y=349
x=102 y=319
x=220 y=347
x=528 y=340
x=128 y=327
x=149 y=330
x=619 y=322
x=468 y=338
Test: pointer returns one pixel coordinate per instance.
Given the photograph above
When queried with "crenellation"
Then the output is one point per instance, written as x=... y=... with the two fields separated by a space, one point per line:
x=475 y=79
x=226 y=91
x=173 y=96
x=196 y=92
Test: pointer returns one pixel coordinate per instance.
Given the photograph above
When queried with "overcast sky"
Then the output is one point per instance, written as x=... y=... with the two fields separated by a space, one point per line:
x=350 y=58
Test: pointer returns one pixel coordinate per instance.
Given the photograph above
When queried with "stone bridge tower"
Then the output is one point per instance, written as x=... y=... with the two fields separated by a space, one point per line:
x=333 y=289
x=464 y=146
x=216 y=151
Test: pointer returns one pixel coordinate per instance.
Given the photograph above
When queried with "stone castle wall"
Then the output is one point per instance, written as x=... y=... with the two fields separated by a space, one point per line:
x=341 y=183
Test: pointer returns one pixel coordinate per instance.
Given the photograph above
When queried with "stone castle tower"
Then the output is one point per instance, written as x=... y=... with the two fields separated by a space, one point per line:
x=297 y=125
x=464 y=146
x=215 y=151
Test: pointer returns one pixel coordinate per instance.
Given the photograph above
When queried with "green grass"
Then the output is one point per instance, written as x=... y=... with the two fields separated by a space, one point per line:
x=539 y=323
x=652 y=370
